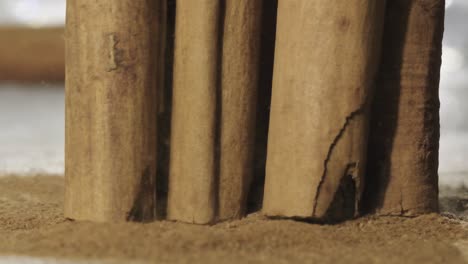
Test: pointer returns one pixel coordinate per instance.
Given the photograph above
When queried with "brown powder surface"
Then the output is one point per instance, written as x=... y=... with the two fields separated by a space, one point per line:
x=31 y=224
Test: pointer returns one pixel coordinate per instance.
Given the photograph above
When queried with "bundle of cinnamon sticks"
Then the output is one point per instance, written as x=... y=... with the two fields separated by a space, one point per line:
x=169 y=115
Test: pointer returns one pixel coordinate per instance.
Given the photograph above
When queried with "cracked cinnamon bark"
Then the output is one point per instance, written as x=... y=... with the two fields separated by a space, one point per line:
x=325 y=65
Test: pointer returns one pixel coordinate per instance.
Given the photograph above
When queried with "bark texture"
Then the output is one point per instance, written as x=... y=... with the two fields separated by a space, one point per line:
x=325 y=64
x=213 y=118
x=114 y=69
x=404 y=139
x=239 y=82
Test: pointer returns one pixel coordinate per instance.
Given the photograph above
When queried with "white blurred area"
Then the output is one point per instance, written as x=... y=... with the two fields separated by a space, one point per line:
x=31 y=118
x=453 y=167
x=31 y=129
x=32 y=115
x=33 y=13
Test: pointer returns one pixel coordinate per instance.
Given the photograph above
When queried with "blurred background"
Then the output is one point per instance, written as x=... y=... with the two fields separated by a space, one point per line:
x=453 y=168
x=31 y=86
x=32 y=90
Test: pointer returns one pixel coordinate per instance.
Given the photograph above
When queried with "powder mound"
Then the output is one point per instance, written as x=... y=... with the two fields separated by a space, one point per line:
x=31 y=224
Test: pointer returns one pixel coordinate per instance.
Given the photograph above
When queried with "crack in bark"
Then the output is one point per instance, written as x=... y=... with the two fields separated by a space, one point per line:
x=115 y=54
x=403 y=211
x=348 y=120
x=401 y=203
x=350 y=170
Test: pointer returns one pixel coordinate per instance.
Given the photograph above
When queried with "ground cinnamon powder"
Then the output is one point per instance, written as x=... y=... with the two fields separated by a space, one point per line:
x=31 y=224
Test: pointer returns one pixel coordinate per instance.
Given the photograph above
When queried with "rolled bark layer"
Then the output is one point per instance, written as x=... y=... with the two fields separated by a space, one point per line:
x=214 y=95
x=404 y=138
x=192 y=161
x=239 y=87
x=114 y=64
x=325 y=63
